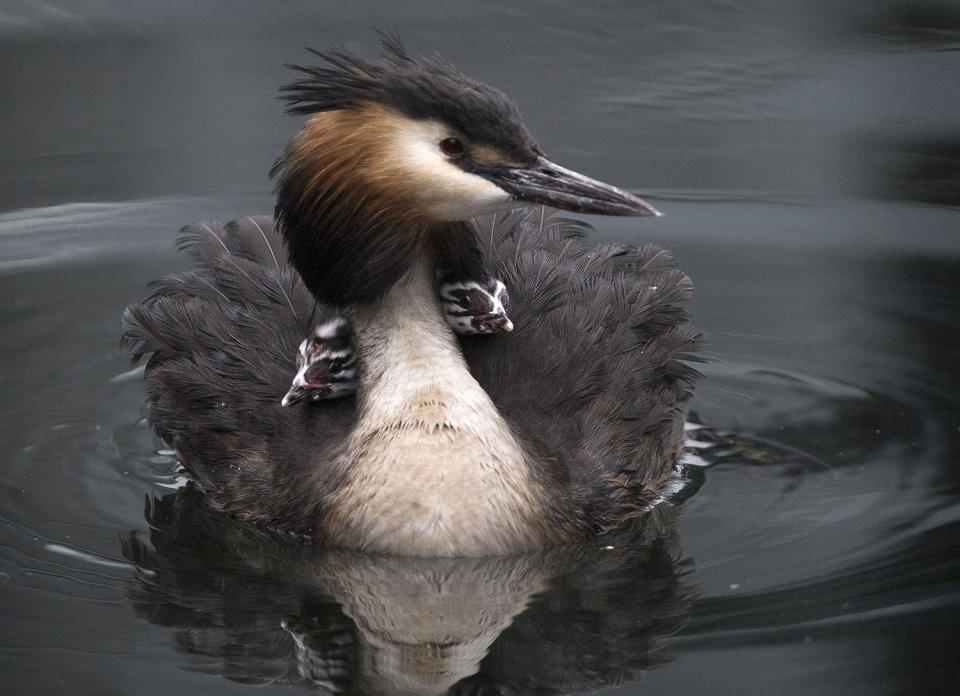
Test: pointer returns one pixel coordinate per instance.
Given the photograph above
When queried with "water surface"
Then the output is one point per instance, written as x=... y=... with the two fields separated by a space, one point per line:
x=808 y=161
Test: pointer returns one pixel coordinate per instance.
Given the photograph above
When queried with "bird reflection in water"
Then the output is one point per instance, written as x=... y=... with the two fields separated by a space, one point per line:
x=263 y=608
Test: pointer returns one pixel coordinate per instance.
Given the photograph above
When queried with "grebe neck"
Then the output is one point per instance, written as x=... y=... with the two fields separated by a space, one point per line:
x=427 y=439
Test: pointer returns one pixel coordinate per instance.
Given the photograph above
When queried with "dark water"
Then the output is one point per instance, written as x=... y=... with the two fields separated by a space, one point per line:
x=808 y=158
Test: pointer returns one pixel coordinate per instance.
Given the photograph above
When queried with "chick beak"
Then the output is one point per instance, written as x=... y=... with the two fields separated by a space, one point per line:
x=302 y=386
x=550 y=184
x=294 y=395
x=494 y=322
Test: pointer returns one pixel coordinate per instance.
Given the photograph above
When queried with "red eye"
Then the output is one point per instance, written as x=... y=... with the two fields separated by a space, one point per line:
x=452 y=147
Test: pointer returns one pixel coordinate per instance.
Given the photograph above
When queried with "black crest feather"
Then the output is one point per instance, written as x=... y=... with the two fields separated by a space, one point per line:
x=421 y=87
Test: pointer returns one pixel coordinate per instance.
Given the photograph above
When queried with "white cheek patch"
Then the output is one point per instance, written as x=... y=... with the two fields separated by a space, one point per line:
x=446 y=191
x=303 y=354
x=496 y=297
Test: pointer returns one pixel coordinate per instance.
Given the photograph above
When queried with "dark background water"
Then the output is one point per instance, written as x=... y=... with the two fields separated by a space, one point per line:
x=807 y=156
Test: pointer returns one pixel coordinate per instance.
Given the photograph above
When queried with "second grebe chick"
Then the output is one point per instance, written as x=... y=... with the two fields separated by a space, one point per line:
x=476 y=307
x=326 y=364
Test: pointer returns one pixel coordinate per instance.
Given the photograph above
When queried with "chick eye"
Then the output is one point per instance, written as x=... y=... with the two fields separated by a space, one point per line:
x=452 y=147
x=336 y=367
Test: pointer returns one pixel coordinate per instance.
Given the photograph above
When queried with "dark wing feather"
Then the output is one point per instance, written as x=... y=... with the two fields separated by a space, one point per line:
x=222 y=339
x=596 y=374
x=256 y=238
x=204 y=240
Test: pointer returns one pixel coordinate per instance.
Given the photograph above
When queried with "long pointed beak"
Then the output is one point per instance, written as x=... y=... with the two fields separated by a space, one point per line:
x=550 y=184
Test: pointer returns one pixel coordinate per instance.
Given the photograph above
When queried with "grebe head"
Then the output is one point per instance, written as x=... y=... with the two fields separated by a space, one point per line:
x=476 y=307
x=326 y=364
x=392 y=152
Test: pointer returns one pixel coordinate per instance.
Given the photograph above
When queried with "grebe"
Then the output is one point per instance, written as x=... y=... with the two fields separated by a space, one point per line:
x=326 y=364
x=557 y=431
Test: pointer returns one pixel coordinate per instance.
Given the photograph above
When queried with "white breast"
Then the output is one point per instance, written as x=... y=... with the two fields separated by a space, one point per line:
x=434 y=468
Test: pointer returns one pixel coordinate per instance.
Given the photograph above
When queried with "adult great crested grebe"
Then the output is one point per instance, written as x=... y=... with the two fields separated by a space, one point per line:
x=544 y=436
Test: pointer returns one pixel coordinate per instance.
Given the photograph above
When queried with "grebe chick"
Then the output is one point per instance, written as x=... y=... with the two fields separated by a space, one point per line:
x=326 y=364
x=476 y=306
